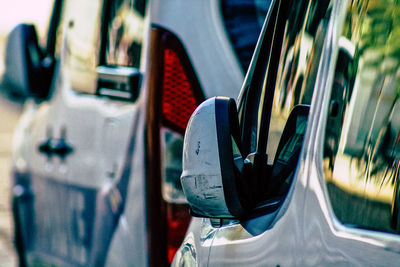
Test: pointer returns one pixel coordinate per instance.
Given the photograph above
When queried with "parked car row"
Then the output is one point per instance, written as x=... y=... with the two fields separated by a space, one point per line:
x=301 y=170
x=97 y=154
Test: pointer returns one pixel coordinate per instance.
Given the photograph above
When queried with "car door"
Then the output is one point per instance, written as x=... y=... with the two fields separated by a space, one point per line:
x=78 y=140
x=279 y=87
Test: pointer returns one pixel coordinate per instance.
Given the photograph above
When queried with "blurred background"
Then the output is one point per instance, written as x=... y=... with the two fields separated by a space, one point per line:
x=11 y=14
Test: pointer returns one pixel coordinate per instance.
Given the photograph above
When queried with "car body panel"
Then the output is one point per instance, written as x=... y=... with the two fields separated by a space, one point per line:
x=197 y=243
x=101 y=156
x=216 y=53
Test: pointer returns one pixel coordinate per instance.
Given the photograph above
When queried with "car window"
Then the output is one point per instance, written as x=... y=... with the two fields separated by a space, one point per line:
x=124 y=33
x=362 y=138
x=82 y=21
x=286 y=85
x=243 y=21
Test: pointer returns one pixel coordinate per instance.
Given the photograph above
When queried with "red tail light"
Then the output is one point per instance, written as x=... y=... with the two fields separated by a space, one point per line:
x=178 y=99
x=174 y=94
x=178 y=221
x=179 y=89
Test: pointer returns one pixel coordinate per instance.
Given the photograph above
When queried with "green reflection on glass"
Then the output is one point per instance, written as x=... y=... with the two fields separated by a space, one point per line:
x=361 y=156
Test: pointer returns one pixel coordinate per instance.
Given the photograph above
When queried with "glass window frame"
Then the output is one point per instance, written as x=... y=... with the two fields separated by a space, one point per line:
x=260 y=75
x=256 y=98
x=255 y=102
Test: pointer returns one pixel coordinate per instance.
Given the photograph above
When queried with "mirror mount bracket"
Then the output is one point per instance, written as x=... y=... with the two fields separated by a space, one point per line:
x=255 y=176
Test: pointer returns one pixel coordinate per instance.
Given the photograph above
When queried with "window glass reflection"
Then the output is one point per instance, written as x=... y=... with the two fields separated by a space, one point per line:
x=81 y=22
x=362 y=152
x=301 y=52
x=275 y=117
x=125 y=33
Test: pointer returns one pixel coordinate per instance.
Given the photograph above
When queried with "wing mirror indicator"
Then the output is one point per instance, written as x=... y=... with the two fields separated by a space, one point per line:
x=212 y=163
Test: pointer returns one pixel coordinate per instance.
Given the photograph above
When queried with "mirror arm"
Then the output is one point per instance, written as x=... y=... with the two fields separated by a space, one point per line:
x=255 y=176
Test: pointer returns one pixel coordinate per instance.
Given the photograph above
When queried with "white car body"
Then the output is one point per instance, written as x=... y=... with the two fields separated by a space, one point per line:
x=310 y=226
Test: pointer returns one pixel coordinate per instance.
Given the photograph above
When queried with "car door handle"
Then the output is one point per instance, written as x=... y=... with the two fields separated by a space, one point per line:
x=55 y=147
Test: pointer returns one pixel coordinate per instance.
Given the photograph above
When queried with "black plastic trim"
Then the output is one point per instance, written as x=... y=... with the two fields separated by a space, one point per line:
x=225 y=114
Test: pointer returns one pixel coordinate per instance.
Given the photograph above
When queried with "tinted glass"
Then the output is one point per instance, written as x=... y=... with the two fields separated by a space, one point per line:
x=287 y=86
x=125 y=33
x=362 y=152
x=243 y=21
x=301 y=52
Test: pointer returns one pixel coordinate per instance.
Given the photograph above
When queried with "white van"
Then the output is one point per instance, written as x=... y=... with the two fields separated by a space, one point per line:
x=97 y=153
x=304 y=171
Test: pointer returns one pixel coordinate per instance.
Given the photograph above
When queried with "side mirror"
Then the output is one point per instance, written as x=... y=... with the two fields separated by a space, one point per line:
x=215 y=178
x=27 y=71
x=212 y=160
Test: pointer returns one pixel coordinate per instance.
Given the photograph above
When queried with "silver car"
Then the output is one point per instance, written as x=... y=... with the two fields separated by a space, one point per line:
x=304 y=171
